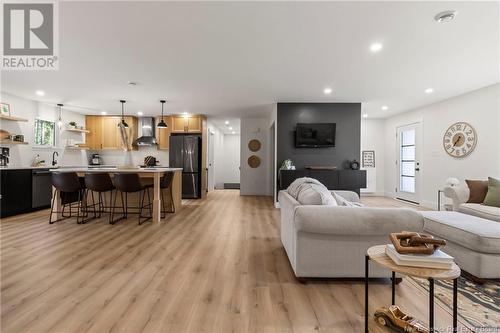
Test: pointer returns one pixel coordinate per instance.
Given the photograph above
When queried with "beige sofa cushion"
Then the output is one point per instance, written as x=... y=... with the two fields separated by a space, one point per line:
x=480 y=210
x=469 y=231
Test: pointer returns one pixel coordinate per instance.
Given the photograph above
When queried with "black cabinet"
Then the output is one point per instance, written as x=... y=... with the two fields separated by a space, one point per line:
x=352 y=180
x=15 y=190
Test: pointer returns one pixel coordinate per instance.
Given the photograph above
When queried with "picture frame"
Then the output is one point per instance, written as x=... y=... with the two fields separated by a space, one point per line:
x=368 y=160
x=4 y=109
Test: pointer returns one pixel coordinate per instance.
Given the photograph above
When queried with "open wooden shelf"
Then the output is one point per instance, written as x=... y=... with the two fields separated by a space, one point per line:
x=77 y=148
x=12 y=142
x=77 y=130
x=11 y=118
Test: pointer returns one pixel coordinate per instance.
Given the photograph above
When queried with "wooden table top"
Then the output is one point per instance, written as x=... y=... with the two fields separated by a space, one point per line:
x=377 y=254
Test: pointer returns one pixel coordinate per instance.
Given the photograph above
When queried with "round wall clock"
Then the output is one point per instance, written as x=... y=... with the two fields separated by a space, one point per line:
x=460 y=139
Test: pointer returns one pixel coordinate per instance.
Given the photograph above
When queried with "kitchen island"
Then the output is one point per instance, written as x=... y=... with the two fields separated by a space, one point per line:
x=152 y=173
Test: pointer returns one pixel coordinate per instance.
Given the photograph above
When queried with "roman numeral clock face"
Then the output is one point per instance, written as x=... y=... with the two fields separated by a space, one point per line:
x=459 y=139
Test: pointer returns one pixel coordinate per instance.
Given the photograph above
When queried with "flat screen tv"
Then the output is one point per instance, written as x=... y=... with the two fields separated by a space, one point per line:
x=315 y=135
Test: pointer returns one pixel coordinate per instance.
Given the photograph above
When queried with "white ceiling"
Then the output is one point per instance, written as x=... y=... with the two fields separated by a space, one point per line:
x=226 y=59
x=232 y=126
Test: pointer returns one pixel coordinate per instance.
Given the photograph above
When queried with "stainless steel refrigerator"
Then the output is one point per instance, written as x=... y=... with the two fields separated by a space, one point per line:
x=185 y=153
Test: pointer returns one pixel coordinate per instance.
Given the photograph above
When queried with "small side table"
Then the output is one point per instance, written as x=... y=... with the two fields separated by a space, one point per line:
x=377 y=254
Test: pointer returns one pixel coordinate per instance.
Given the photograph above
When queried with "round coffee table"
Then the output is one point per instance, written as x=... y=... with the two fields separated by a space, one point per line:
x=377 y=254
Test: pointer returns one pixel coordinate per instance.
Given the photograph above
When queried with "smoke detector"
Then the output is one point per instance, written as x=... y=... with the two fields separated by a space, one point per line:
x=445 y=16
x=131 y=83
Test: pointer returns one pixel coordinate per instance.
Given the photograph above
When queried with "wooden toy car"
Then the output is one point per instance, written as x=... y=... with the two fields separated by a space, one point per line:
x=393 y=317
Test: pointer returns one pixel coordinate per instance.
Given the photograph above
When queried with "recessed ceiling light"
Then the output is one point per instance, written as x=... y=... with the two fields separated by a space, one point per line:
x=40 y=93
x=445 y=16
x=429 y=91
x=230 y=128
x=327 y=91
x=385 y=107
x=104 y=113
x=140 y=113
x=226 y=122
x=376 y=47
x=233 y=132
x=365 y=116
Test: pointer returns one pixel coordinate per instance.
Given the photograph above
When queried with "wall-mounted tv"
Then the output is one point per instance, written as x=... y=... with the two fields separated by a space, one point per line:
x=315 y=135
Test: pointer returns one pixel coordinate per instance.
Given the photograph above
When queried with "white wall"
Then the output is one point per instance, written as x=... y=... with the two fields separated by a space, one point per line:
x=22 y=155
x=372 y=138
x=255 y=181
x=480 y=108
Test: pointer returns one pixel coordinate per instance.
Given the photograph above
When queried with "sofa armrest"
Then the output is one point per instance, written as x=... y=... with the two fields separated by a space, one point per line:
x=356 y=221
x=458 y=194
x=348 y=195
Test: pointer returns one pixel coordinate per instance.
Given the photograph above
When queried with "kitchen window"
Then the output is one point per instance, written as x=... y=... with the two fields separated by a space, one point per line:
x=45 y=133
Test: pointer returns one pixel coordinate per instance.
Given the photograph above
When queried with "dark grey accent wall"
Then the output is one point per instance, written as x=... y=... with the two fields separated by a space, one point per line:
x=347 y=116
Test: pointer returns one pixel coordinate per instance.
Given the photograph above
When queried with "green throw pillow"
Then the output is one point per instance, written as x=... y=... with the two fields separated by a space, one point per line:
x=493 y=195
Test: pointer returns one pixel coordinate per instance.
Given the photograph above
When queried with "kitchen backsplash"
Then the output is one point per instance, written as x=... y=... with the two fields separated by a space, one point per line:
x=134 y=157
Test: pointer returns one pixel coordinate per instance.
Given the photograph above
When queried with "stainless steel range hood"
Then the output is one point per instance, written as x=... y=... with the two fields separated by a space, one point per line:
x=146 y=132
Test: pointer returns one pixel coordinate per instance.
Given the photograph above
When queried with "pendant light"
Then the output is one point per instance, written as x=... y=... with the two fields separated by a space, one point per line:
x=162 y=123
x=59 y=120
x=123 y=119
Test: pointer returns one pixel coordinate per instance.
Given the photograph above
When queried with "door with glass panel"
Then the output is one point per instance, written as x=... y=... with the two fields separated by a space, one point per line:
x=408 y=164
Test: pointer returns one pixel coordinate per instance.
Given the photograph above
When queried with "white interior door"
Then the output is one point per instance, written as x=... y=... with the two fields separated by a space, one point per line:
x=408 y=163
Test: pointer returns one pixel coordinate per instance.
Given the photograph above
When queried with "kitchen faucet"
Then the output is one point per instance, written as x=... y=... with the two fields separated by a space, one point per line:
x=54 y=161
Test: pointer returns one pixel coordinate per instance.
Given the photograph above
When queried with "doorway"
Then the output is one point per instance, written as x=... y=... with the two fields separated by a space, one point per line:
x=408 y=163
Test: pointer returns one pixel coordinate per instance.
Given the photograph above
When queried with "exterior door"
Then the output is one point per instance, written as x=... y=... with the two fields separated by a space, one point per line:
x=408 y=163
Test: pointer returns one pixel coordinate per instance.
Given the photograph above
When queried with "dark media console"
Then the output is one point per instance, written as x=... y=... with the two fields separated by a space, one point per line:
x=351 y=180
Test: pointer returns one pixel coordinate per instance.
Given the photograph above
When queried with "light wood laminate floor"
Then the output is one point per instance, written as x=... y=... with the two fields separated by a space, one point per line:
x=216 y=266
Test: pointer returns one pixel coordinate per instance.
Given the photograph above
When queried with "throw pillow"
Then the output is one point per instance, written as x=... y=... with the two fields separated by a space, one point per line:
x=493 y=196
x=478 y=189
x=313 y=194
x=341 y=201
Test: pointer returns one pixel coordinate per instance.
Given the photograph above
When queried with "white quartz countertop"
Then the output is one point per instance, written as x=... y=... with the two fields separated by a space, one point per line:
x=117 y=169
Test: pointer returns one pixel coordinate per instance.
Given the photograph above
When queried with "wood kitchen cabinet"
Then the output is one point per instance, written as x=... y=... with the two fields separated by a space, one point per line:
x=105 y=134
x=163 y=134
x=181 y=124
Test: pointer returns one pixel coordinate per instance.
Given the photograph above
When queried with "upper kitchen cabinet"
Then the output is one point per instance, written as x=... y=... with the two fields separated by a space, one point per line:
x=181 y=124
x=105 y=133
x=163 y=134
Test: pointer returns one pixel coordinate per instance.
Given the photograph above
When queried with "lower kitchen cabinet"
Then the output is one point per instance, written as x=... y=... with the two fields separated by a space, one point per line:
x=16 y=192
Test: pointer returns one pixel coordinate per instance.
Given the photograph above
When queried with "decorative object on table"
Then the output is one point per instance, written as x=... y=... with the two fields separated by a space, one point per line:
x=5 y=109
x=460 y=139
x=393 y=317
x=406 y=242
x=354 y=165
x=254 y=145
x=452 y=181
x=438 y=259
x=72 y=125
x=37 y=162
x=368 y=159
x=150 y=161
x=479 y=301
x=254 y=161
x=323 y=167
x=287 y=165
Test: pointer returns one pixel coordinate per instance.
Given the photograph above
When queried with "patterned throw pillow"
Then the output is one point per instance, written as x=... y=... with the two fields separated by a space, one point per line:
x=493 y=196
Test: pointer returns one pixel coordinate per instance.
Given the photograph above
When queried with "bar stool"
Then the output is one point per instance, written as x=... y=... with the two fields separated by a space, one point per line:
x=71 y=191
x=99 y=183
x=166 y=183
x=127 y=183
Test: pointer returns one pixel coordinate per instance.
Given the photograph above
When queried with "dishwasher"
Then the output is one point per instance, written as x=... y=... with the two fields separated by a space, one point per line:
x=41 y=188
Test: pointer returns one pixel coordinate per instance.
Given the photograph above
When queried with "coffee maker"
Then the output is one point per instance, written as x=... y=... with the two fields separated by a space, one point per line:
x=4 y=157
x=95 y=160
